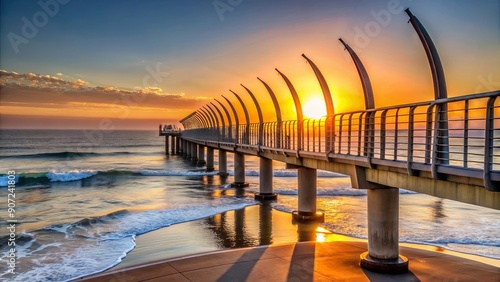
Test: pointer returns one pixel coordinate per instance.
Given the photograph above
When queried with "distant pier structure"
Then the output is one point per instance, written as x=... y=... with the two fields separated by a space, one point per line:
x=172 y=134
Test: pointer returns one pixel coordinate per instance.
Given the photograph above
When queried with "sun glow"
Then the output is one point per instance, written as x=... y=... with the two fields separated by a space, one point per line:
x=314 y=108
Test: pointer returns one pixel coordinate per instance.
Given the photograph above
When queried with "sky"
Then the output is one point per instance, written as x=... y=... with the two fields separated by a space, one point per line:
x=130 y=64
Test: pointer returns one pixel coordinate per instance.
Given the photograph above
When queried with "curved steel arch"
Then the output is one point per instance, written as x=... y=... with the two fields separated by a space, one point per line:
x=207 y=112
x=219 y=112
x=245 y=110
x=259 y=112
x=298 y=109
x=363 y=75
x=324 y=87
x=442 y=145
x=214 y=118
x=275 y=101
x=246 y=134
x=432 y=55
x=237 y=121
x=230 y=128
x=221 y=117
x=197 y=121
x=205 y=121
x=295 y=96
x=212 y=113
x=279 y=120
x=206 y=117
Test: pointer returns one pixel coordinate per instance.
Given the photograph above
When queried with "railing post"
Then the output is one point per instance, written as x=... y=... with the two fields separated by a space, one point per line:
x=489 y=145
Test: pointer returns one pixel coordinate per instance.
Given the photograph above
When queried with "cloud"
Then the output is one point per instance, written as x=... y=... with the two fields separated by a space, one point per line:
x=44 y=90
x=59 y=74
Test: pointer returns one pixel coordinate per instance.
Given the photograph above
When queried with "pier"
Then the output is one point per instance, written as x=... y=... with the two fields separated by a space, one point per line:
x=448 y=147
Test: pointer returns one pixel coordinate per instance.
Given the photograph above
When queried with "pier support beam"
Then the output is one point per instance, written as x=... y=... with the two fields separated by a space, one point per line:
x=266 y=181
x=383 y=233
x=223 y=163
x=239 y=170
x=210 y=159
x=178 y=145
x=166 y=144
x=194 y=151
x=307 y=196
x=188 y=149
x=201 y=155
x=172 y=145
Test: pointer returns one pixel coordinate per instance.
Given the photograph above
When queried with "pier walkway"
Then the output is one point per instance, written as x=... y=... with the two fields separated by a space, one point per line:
x=448 y=147
x=305 y=261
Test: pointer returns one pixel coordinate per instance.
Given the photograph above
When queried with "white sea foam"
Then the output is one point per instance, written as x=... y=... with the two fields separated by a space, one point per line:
x=176 y=173
x=4 y=180
x=71 y=175
x=109 y=239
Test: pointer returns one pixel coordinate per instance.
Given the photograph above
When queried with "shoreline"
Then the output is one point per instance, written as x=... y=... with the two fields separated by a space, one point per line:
x=211 y=235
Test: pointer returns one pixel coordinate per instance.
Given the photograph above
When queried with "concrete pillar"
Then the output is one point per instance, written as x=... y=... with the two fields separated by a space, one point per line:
x=201 y=155
x=166 y=144
x=307 y=196
x=239 y=170
x=194 y=151
x=210 y=159
x=188 y=149
x=178 y=145
x=223 y=163
x=383 y=233
x=172 y=145
x=266 y=180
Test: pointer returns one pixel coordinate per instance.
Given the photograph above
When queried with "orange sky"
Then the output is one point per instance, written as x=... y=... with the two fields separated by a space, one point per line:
x=191 y=64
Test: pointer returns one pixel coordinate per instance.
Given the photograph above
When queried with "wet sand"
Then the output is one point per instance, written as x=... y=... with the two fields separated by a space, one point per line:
x=250 y=227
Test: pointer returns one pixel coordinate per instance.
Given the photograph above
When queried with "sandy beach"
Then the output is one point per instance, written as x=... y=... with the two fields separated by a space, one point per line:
x=260 y=225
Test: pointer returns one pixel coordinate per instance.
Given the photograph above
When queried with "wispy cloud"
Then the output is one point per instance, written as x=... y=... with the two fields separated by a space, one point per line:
x=32 y=89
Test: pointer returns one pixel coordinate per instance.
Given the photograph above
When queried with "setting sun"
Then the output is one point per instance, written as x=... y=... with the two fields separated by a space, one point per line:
x=314 y=108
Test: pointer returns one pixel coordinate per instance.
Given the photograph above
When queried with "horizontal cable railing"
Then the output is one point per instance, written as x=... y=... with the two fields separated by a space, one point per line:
x=461 y=132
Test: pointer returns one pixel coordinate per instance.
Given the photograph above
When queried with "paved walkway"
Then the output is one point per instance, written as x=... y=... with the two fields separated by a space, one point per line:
x=307 y=261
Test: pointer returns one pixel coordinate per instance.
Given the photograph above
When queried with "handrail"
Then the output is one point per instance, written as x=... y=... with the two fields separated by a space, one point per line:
x=407 y=135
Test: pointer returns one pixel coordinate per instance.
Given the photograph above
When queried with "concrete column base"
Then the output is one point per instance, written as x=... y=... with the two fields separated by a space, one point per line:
x=240 y=184
x=209 y=169
x=390 y=266
x=265 y=196
x=201 y=163
x=223 y=174
x=308 y=216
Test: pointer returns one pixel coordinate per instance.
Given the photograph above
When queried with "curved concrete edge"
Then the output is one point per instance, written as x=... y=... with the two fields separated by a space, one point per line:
x=395 y=266
x=308 y=216
x=333 y=261
x=265 y=196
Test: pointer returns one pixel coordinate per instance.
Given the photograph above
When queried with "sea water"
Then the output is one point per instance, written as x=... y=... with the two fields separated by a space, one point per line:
x=82 y=197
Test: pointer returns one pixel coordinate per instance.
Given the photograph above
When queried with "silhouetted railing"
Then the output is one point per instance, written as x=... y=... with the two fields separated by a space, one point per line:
x=402 y=136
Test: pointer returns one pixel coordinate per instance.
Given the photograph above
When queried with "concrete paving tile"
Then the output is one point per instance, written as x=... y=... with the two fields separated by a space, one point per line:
x=221 y=258
x=274 y=269
x=169 y=278
x=136 y=274
x=309 y=261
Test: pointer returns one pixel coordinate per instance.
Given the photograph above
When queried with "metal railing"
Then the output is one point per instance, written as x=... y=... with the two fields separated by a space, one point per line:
x=468 y=138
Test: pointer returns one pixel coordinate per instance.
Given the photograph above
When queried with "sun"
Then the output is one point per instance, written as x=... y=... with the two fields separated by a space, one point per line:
x=314 y=108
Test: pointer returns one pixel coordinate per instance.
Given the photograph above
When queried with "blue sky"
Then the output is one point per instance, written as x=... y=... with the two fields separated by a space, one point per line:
x=201 y=52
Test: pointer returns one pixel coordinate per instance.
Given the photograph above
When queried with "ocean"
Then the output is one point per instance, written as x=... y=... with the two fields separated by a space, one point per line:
x=82 y=197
